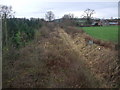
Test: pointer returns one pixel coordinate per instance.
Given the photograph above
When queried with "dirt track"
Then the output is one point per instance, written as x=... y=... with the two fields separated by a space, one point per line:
x=60 y=60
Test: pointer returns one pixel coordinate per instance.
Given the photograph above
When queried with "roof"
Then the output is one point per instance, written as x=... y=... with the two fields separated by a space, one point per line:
x=113 y=22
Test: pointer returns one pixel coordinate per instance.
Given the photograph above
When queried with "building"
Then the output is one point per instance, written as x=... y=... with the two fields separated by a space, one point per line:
x=104 y=22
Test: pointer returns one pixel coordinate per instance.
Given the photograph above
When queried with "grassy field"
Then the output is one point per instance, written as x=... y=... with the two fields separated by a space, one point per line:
x=107 y=33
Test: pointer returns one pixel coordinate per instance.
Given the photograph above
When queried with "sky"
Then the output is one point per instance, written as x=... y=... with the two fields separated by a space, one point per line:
x=38 y=8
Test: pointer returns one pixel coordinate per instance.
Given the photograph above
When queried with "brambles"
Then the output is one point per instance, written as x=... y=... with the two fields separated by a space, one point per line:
x=59 y=58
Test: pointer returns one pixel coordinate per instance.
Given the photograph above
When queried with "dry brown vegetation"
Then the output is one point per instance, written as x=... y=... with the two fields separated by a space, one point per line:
x=60 y=58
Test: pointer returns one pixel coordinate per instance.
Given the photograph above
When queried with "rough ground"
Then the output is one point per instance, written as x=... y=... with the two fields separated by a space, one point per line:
x=61 y=58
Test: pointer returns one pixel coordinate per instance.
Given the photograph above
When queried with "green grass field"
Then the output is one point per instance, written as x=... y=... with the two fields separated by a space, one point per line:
x=106 y=33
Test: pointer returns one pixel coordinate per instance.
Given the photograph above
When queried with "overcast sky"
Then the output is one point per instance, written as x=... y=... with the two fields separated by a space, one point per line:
x=38 y=8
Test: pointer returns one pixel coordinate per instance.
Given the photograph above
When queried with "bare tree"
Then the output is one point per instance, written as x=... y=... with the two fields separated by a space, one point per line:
x=88 y=13
x=68 y=19
x=50 y=16
x=5 y=12
x=68 y=16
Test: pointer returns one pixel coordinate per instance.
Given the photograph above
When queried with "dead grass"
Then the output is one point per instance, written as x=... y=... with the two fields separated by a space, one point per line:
x=61 y=58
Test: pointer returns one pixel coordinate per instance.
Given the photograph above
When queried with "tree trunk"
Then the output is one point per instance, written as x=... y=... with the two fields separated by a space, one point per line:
x=6 y=33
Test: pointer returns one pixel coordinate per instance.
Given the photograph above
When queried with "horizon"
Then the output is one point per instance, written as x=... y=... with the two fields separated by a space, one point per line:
x=38 y=9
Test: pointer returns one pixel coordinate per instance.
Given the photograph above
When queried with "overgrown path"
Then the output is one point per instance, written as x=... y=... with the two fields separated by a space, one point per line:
x=79 y=61
x=56 y=59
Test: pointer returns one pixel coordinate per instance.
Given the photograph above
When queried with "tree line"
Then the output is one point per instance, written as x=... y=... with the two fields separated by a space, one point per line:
x=16 y=32
x=21 y=30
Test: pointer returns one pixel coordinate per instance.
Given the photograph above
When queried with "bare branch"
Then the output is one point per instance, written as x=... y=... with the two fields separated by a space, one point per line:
x=6 y=11
x=49 y=16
